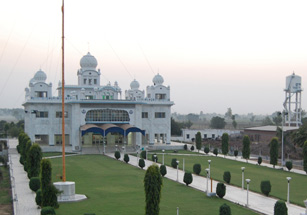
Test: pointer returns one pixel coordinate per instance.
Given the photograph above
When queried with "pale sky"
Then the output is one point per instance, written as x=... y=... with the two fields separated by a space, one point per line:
x=213 y=54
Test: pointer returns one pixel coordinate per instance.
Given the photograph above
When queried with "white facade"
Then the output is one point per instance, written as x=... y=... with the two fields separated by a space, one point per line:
x=90 y=104
x=188 y=135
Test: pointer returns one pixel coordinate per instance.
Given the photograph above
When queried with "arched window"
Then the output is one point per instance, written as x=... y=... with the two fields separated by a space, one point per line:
x=107 y=115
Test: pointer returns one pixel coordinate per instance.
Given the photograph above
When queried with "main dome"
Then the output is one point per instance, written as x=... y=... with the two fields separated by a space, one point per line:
x=134 y=85
x=39 y=76
x=88 y=61
x=158 y=79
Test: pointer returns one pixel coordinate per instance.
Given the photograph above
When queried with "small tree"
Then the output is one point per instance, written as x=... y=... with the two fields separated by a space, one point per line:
x=174 y=163
x=289 y=165
x=187 y=178
x=305 y=156
x=274 y=151
x=206 y=150
x=215 y=151
x=198 y=141
x=236 y=152
x=126 y=158
x=227 y=177
x=265 y=187
x=33 y=160
x=225 y=210
x=49 y=192
x=197 y=168
x=141 y=163
x=34 y=183
x=163 y=170
x=280 y=208
x=246 y=147
x=220 y=190
x=225 y=139
x=117 y=155
x=143 y=154
x=259 y=160
x=153 y=186
x=192 y=148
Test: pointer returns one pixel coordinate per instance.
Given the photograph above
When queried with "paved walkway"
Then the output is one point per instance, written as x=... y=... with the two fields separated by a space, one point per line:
x=257 y=202
x=23 y=197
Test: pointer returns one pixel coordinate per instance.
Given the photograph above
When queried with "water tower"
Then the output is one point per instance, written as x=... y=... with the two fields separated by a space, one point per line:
x=293 y=104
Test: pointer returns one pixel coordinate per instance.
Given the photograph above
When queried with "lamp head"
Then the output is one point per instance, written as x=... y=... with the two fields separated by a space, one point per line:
x=289 y=178
x=177 y=162
x=209 y=161
x=163 y=150
x=248 y=180
x=243 y=168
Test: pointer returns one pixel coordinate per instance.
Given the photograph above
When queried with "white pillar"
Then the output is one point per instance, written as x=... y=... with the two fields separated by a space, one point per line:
x=242 y=168
x=247 y=188
x=288 y=194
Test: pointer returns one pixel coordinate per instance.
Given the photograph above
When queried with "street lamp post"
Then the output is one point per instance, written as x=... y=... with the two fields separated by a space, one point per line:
x=207 y=170
x=247 y=181
x=163 y=156
x=183 y=165
x=155 y=157
x=137 y=157
x=242 y=168
x=177 y=169
x=288 y=195
x=209 y=161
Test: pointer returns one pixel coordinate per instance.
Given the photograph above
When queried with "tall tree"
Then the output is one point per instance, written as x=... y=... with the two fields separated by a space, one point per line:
x=217 y=122
x=225 y=139
x=267 y=121
x=246 y=147
x=228 y=114
x=198 y=140
x=153 y=186
x=274 y=151
x=300 y=136
x=49 y=192
x=33 y=160
x=305 y=156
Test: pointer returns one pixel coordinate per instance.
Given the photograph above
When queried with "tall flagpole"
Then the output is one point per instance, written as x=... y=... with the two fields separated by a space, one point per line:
x=63 y=100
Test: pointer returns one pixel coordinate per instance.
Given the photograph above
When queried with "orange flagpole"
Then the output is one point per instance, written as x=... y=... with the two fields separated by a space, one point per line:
x=63 y=100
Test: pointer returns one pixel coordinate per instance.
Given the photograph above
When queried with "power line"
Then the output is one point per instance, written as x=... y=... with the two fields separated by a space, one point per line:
x=146 y=58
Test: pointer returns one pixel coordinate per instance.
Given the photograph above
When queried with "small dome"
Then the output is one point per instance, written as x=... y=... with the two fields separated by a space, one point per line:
x=88 y=61
x=40 y=76
x=158 y=80
x=134 y=85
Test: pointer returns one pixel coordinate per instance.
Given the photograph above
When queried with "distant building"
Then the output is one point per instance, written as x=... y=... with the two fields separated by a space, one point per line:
x=97 y=114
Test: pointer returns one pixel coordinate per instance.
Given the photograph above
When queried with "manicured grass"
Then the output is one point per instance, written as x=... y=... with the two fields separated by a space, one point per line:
x=254 y=172
x=113 y=187
x=5 y=192
x=50 y=154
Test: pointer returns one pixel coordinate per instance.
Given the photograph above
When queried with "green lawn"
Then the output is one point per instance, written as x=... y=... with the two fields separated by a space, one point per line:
x=50 y=154
x=254 y=172
x=114 y=187
x=5 y=192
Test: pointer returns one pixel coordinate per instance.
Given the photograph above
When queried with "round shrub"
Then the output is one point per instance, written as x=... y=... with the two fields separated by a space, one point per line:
x=185 y=147
x=225 y=210
x=143 y=154
x=220 y=190
x=265 y=187
x=206 y=150
x=280 y=208
x=25 y=167
x=187 y=178
x=192 y=148
x=126 y=158
x=34 y=183
x=141 y=163
x=48 y=211
x=163 y=170
x=117 y=155
x=21 y=160
x=18 y=148
x=227 y=177
x=38 y=197
x=259 y=160
x=153 y=158
x=174 y=163
x=216 y=151
x=289 y=165
x=236 y=152
x=197 y=168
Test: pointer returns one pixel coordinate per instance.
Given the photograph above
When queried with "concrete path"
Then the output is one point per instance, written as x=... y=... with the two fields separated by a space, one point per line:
x=23 y=197
x=234 y=194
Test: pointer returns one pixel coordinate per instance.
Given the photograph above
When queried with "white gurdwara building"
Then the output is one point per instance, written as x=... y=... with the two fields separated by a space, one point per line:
x=97 y=114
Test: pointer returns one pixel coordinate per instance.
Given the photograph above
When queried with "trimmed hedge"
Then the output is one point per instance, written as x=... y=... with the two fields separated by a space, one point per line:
x=126 y=158
x=206 y=149
x=153 y=158
x=197 y=168
x=185 y=147
x=236 y=152
x=141 y=163
x=227 y=177
x=192 y=148
x=143 y=154
x=34 y=183
x=220 y=190
x=265 y=187
x=174 y=163
x=163 y=170
x=38 y=197
x=117 y=155
x=187 y=178
x=48 y=211
x=280 y=208
x=225 y=210
x=289 y=165
x=216 y=151
x=259 y=160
